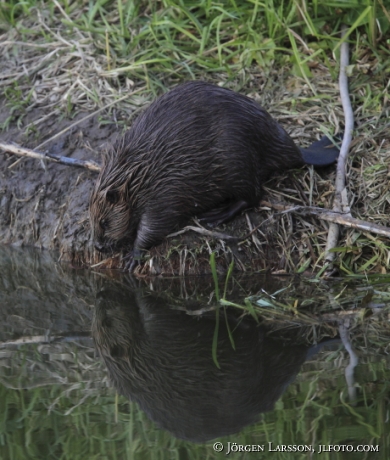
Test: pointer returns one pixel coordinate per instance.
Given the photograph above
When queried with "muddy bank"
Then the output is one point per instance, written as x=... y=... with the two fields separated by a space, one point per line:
x=45 y=205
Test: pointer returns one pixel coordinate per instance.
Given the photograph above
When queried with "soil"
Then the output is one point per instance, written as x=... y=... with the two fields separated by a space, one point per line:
x=44 y=204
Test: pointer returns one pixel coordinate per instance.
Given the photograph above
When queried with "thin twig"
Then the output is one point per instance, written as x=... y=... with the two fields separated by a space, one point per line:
x=23 y=152
x=341 y=201
x=332 y=216
x=71 y=337
x=205 y=232
x=353 y=360
x=338 y=218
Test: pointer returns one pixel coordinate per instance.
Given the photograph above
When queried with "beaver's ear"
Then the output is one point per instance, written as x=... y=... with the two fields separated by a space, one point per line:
x=112 y=196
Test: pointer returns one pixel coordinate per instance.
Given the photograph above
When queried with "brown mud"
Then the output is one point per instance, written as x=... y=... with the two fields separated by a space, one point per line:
x=45 y=205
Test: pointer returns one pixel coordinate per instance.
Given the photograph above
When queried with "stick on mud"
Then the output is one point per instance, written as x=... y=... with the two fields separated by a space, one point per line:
x=23 y=152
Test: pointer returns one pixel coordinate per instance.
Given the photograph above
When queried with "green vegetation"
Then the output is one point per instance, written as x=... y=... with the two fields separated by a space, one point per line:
x=151 y=40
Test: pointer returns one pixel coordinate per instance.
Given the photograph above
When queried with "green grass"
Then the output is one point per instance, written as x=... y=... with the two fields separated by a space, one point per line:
x=181 y=39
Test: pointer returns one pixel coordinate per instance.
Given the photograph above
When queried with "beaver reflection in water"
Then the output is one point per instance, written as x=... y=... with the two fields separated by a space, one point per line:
x=198 y=150
x=162 y=359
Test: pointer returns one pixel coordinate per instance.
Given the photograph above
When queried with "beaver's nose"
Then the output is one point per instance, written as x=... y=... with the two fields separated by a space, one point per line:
x=99 y=247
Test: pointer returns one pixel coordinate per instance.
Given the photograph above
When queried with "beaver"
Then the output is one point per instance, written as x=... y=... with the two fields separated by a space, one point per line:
x=198 y=150
x=161 y=358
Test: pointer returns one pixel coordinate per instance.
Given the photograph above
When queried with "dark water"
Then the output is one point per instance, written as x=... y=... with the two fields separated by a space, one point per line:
x=268 y=379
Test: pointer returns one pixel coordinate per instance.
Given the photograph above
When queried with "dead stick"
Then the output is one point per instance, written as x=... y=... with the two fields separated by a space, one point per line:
x=23 y=152
x=331 y=216
x=341 y=200
x=348 y=221
x=205 y=232
x=91 y=165
x=339 y=218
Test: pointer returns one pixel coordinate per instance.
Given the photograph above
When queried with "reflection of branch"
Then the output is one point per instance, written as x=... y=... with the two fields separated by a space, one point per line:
x=341 y=199
x=23 y=152
x=46 y=339
x=349 y=376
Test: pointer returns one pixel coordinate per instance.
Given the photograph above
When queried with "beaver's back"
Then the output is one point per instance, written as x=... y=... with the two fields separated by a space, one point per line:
x=207 y=144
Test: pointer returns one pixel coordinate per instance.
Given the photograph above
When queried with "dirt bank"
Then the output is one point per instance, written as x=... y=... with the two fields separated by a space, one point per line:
x=45 y=204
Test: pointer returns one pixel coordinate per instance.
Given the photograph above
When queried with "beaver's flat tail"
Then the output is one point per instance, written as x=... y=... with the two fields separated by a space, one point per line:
x=320 y=153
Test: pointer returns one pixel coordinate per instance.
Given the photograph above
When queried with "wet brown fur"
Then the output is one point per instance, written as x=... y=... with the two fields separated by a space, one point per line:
x=196 y=149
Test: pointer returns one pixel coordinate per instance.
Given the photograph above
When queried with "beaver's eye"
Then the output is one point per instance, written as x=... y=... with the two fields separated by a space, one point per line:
x=103 y=224
x=112 y=196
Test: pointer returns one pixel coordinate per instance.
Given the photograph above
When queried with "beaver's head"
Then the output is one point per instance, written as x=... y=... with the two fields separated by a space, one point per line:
x=110 y=219
x=109 y=208
x=113 y=315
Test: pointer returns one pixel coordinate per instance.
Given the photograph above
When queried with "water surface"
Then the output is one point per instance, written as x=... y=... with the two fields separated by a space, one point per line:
x=77 y=346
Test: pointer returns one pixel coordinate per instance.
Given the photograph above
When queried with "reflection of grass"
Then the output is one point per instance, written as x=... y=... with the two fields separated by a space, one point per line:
x=320 y=306
x=79 y=418
x=218 y=298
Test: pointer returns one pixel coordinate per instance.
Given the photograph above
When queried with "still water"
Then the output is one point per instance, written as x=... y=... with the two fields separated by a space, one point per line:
x=103 y=366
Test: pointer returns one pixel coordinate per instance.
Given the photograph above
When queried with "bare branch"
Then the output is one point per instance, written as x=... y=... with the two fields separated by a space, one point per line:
x=205 y=232
x=332 y=216
x=341 y=200
x=23 y=152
